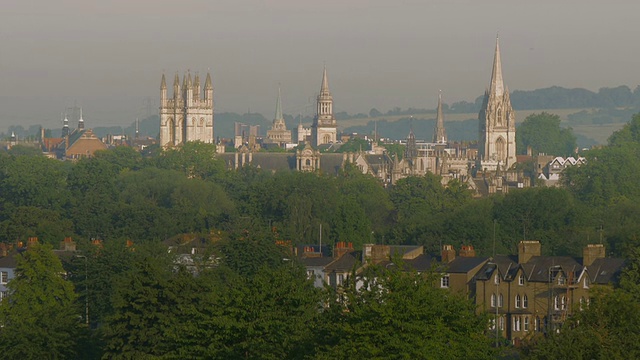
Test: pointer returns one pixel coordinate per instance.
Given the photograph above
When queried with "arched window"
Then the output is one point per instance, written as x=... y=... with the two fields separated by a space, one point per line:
x=521 y=279
x=563 y=302
x=172 y=130
x=496 y=279
x=525 y=302
x=526 y=323
x=518 y=300
x=493 y=300
x=499 y=117
x=308 y=162
x=556 y=302
x=501 y=151
x=500 y=300
x=326 y=139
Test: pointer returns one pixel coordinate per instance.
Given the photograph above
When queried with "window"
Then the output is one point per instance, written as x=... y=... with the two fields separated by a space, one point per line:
x=309 y=274
x=586 y=282
x=493 y=300
x=581 y=303
x=492 y=324
x=3 y=295
x=561 y=280
x=556 y=302
x=500 y=301
x=516 y=323
x=444 y=281
x=496 y=279
x=521 y=279
x=536 y=324
x=501 y=322
x=525 y=302
x=526 y=323
x=563 y=303
x=518 y=301
x=340 y=279
x=4 y=277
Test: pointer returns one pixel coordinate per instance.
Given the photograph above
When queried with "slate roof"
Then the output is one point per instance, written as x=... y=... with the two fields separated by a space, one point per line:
x=346 y=262
x=316 y=261
x=605 y=270
x=9 y=261
x=331 y=163
x=274 y=161
x=421 y=263
x=537 y=268
x=464 y=264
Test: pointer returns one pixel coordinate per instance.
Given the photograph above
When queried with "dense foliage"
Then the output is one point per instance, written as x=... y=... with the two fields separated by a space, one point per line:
x=543 y=134
x=249 y=299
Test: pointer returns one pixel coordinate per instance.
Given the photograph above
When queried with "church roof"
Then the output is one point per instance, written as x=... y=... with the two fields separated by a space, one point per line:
x=331 y=163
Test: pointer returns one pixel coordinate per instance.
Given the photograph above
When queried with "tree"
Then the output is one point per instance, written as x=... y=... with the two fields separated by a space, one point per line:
x=542 y=132
x=389 y=313
x=40 y=320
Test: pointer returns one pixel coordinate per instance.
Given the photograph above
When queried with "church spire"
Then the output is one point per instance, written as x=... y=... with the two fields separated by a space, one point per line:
x=497 y=85
x=324 y=89
x=278 y=115
x=440 y=133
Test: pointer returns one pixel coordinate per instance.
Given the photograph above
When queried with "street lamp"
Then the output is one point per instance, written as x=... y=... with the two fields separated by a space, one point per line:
x=86 y=288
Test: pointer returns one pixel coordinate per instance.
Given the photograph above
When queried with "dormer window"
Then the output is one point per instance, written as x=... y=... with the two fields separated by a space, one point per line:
x=521 y=279
x=496 y=279
x=561 y=280
x=586 y=282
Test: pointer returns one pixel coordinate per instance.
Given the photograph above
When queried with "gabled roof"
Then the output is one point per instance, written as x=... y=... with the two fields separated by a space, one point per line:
x=9 y=261
x=316 y=261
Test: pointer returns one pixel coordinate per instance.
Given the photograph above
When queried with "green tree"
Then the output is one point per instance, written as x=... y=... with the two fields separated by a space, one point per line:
x=387 y=313
x=40 y=320
x=542 y=132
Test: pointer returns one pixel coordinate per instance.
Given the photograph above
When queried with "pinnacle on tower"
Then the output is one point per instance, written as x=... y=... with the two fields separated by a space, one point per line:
x=81 y=120
x=163 y=83
x=278 y=115
x=497 y=85
x=207 y=82
x=189 y=83
x=176 y=86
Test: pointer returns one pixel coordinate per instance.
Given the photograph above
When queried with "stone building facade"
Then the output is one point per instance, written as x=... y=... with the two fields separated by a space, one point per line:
x=188 y=115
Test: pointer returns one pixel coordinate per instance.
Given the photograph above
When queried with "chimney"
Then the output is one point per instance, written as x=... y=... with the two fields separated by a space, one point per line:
x=467 y=251
x=342 y=248
x=97 y=243
x=448 y=253
x=528 y=249
x=68 y=244
x=380 y=253
x=592 y=252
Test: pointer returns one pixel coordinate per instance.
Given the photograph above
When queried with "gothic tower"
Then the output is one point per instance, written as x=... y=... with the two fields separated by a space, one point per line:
x=187 y=116
x=497 y=122
x=439 y=133
x=324 y=128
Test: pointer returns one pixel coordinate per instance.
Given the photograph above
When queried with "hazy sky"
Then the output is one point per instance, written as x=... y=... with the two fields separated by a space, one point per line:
x=108 y=56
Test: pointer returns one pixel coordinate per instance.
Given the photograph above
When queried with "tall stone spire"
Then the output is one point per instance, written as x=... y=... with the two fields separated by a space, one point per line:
x=208 y=90
x=278 y=115
x=439 y=133
x=163 y=91
x=497 y=85
x=324 y=89
x=497 y=142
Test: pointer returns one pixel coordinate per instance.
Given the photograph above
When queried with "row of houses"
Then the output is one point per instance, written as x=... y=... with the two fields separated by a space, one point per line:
x=526 y=293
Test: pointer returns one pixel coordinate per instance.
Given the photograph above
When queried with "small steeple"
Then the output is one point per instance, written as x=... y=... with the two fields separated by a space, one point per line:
x=439 y=133
x=189 y=83
x=324 y=89
x=65 y=125
x=278 y=115
x=497 y=85
x=81 y=120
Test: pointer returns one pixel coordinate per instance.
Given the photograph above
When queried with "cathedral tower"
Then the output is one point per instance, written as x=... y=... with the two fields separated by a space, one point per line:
x=187 y=116
x=439 y=133
x=497 y=122
x=324 y=128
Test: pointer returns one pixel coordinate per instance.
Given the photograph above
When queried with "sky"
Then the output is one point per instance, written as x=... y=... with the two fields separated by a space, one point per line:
x=109 y=56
